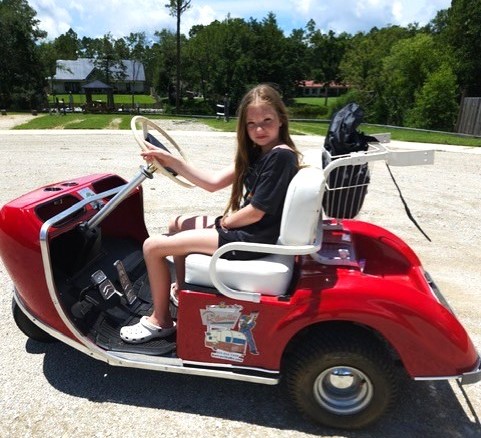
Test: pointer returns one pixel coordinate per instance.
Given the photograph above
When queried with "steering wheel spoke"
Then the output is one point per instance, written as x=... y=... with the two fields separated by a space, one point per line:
x=140 y=128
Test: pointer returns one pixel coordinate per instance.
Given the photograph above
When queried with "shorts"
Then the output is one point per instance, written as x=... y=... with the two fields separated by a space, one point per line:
x=236 y=235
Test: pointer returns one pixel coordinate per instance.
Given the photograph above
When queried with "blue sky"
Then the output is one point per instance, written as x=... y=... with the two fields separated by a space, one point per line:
x=95 y=18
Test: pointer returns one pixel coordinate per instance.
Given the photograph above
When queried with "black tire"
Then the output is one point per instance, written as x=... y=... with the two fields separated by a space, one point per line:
x=346 y=383
x=27 y=327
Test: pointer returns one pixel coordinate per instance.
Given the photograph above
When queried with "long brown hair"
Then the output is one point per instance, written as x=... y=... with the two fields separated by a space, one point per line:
x=247 y=151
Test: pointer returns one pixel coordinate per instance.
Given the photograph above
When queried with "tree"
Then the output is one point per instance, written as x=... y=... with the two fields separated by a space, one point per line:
x=177 y=8
x=325 y=52
x=436 y=105
x=232 y=55
x=222 y=58
x=161 y=61
x=90 y=47
x=362 y=65
x=405 y=72
x=108 y=61
x=464 y=35
x=136 y=52
x=21 y=75
x=273 y=56
x=67 y=45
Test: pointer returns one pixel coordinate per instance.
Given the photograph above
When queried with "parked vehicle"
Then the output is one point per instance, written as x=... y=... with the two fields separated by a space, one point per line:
x=337 y=311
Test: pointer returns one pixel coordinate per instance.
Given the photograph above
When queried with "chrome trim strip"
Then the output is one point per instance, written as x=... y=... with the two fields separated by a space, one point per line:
x=230 y=366
x=85 y=344
x=467 y=378
x=174 y=365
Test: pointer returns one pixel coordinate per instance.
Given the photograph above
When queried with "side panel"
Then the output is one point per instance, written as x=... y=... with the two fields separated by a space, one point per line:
x=214 y=329
x=386 y=293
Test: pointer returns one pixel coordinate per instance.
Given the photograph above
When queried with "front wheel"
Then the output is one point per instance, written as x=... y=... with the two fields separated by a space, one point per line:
x=27 y=327
x=342 y=383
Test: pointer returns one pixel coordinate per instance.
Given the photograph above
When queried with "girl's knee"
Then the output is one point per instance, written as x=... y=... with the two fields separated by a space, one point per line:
x=152 y=245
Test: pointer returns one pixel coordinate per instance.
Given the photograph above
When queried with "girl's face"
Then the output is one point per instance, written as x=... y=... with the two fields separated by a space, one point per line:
x=263 y=125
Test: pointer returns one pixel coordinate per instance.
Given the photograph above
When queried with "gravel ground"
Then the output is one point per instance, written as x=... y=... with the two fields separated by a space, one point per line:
x=55 y=391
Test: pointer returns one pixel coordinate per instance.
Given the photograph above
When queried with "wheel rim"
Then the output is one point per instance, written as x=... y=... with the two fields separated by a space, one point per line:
x=343 y=390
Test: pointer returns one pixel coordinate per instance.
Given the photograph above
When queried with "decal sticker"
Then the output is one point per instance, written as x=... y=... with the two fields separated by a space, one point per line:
x=229 y=332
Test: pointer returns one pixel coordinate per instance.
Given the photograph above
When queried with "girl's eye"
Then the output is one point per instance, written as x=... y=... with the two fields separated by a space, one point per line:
x=264 y=124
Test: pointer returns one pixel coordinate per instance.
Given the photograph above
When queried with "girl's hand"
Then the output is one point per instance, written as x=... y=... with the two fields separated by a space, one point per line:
x=164 y=158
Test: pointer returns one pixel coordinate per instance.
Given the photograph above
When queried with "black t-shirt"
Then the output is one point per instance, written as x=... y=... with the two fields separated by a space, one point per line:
x=266 y=186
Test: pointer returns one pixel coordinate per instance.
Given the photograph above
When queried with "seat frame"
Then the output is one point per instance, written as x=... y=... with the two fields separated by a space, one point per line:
x=301 y=231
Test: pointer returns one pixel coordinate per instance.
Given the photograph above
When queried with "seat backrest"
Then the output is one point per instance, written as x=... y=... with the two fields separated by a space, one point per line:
x=303 y=208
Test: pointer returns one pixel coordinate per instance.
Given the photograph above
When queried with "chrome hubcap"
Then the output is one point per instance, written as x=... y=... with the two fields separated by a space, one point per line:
x=343 y=390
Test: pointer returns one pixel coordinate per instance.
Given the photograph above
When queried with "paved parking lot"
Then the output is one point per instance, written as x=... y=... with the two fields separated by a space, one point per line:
x=55 y=391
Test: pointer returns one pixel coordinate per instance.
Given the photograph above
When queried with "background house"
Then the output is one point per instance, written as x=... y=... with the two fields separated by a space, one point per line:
x=72 y=75
x=318 y=89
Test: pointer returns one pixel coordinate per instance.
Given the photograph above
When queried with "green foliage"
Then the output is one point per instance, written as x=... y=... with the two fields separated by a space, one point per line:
x=306 y=110
x=232 y=55
x=463 y=33
x=405 y=70
x=362 y=64
x=351 y=96
x=395 y=73
x=108 y=61
x=21 y=79
x=436 y=104
x=324 y=53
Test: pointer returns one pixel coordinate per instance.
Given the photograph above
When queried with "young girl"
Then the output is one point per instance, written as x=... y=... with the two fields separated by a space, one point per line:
x=266 y=161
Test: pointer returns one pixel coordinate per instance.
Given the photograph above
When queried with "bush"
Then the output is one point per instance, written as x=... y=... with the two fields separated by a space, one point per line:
x=435 y=105
x=306 y=111
x=193 y=107
x=362 y=99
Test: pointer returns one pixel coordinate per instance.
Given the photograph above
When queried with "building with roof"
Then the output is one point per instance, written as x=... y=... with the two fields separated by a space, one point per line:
x=318 y=89
x=73 y=75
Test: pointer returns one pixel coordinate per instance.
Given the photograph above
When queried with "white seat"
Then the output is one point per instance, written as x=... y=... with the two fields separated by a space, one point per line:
x=300 y=233
x=269 y=275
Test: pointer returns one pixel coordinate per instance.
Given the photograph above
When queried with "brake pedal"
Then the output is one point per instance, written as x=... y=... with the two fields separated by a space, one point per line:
x=106 y=287
x=125 y=282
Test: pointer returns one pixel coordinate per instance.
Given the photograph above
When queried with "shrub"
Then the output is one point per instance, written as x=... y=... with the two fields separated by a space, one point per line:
x=435 y=105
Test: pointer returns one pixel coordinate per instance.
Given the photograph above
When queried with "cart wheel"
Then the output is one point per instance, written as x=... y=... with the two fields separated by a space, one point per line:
x=27 y=327
x=343 y=383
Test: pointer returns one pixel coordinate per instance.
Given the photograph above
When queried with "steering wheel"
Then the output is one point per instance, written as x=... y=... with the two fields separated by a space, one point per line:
x=166 y=142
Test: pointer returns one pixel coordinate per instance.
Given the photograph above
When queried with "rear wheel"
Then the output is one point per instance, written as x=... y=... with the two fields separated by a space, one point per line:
x=27 y=327
x=344 y=383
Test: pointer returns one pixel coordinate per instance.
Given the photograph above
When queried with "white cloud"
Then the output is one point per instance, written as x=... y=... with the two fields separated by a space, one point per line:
x=361 y=15
x=95 y=18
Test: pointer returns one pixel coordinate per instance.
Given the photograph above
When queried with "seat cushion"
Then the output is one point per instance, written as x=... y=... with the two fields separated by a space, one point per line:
x=269 y=275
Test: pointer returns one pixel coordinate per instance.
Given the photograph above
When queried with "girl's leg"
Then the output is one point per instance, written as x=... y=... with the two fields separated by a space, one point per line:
x=190 y=222
x=156 y=249
x=183 y=223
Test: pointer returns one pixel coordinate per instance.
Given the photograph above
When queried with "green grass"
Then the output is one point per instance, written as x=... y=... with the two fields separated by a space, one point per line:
x=122 y=121
x=316 y=101
x=78 y=121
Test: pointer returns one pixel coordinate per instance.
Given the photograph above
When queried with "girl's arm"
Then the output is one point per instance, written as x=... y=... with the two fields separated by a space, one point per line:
x=245 y=216
x=210 y=181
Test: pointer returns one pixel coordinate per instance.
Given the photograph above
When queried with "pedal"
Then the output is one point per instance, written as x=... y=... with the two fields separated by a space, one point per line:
x=125 y=282
x=106 y=287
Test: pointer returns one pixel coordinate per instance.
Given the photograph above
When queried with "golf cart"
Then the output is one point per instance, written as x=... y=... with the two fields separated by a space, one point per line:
x=336 y=311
